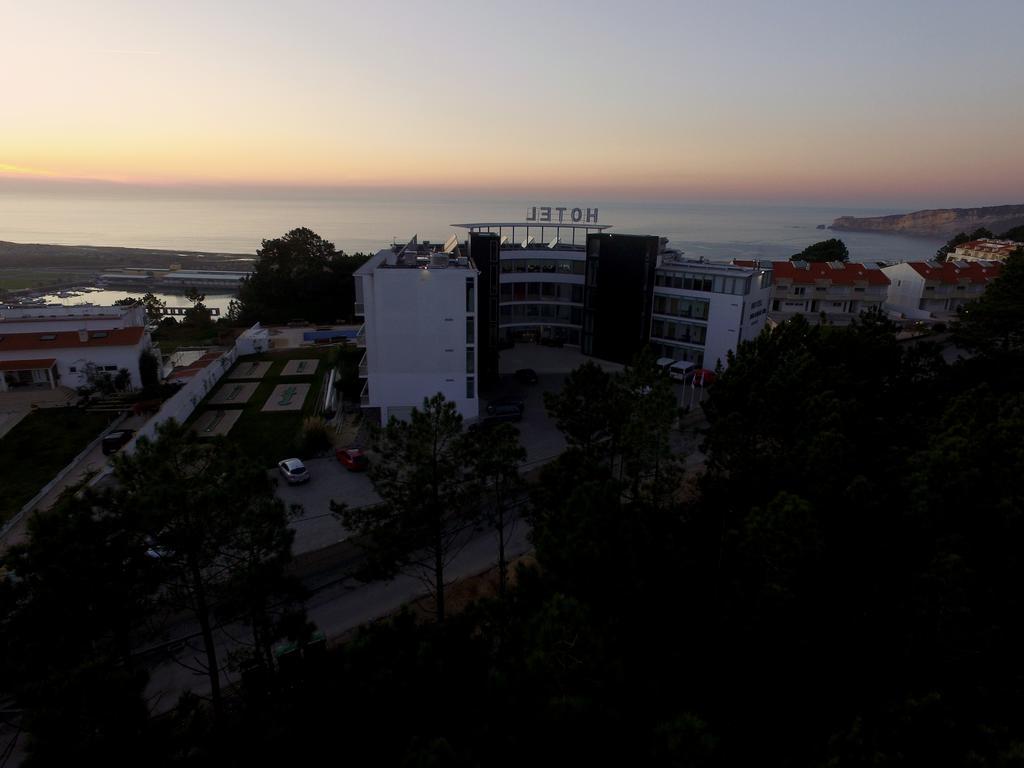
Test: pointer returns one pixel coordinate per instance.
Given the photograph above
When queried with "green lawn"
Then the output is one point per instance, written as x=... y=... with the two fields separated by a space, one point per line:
x=270 y=437
x=39 y=447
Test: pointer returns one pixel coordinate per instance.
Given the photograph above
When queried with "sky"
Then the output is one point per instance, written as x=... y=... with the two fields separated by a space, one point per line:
x=724 y=99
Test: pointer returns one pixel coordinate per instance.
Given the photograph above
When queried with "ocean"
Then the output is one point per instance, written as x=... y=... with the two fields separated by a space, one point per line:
x=236 y=223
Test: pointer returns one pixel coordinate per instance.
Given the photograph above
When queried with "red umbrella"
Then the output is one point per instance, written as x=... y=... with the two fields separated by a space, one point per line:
x=703 y=377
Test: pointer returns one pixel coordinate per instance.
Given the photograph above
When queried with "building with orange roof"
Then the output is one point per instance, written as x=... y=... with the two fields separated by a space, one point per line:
x=985 y=249
x=836 y=290
x=931 y=290
x=47 y=347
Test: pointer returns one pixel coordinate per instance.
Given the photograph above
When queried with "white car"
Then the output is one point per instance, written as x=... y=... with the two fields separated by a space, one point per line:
x=293 y=470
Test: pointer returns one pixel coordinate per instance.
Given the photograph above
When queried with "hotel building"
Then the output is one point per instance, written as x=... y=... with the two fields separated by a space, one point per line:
x=436 y=316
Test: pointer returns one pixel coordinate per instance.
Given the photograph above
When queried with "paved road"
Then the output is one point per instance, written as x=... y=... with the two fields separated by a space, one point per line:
x=339 y=604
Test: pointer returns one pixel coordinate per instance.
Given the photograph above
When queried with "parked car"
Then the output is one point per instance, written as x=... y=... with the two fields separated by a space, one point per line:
x=293 y=471
x=497 y=413
x=681 y=370
x=505 y=405
x=353 y=459
x=526 y=376
x=113 y=442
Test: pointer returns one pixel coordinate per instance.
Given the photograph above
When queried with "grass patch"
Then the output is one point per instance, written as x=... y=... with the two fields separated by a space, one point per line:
x=16 y=280
x=39 y=447
x=271 y=436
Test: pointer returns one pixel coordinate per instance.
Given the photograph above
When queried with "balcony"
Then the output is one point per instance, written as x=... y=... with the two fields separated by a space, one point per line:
x=359 y=309
x=363 y=372
x=361 y=336
x=364 y=396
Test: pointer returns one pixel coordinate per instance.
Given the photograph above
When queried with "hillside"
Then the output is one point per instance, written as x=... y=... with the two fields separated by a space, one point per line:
x=940 y=222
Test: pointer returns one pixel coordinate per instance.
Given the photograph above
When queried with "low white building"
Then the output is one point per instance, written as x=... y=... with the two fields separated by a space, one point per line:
x=56 y=317
x=50 y=346
x=64 y=358
x=932 y=290
x=703 y=310
x=419 y=307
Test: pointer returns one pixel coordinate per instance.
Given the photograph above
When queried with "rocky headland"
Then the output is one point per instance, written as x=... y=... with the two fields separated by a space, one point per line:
x=941 y=222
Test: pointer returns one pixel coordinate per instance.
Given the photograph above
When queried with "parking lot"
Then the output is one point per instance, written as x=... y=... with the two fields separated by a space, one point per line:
x=317 y=528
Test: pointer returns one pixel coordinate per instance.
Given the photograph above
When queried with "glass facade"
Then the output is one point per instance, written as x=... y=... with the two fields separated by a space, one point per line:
x=565 y=292
x=694 y=281
x=680 y=306
x=550 y=266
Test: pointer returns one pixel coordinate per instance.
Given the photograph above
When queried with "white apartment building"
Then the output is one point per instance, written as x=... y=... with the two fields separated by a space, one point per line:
x=935 y=291
x=419 y=304
x=703 y=310
x=838 y=290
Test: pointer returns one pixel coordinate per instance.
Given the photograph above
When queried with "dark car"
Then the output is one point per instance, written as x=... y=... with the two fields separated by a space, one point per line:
x=505 y=405
x=112 y=442
x=501 y=412
x=353 y=459
x=526 y=376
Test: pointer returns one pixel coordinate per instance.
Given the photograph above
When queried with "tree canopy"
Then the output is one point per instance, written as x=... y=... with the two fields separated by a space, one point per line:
x=832 y=249
x=299 y=275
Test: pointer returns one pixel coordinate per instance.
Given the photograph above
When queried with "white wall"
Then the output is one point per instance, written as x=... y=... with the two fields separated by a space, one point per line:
x=906 y=287
x=416 y=337
x=79 y=358
x=254 y=341
x=184 y=401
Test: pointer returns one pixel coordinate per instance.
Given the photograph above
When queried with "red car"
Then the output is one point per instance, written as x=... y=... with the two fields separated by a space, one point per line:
x=353 y=459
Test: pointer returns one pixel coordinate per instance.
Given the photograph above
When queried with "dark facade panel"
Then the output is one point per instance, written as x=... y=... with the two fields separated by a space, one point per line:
x=484 y=250
x=617 y=295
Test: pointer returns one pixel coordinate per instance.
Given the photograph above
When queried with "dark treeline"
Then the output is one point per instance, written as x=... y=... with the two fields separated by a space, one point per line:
x=840 y=587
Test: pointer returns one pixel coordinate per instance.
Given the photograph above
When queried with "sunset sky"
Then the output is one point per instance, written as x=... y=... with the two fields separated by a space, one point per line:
x=786 y=100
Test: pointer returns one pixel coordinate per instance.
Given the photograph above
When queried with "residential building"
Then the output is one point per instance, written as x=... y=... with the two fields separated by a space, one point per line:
x=50 y=346
x=985 y=249
x=419 y=305
x=703 y=310
x=836 y=290
x=934 y=291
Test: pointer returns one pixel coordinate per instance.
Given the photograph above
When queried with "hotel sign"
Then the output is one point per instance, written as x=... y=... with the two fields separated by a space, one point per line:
x=561 y=214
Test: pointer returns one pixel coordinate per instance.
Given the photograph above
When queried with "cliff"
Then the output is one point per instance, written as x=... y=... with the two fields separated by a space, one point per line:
x=943 y=222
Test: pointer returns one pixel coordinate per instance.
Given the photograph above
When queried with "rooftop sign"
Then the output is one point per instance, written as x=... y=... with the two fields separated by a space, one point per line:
x=556 y=214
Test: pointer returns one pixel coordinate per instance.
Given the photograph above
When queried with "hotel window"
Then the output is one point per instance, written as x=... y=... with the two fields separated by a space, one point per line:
x=470 y=295
x=470 y=330
x=470 y=387
x=470 y=360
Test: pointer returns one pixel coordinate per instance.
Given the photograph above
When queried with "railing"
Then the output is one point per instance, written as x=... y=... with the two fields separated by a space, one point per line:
x=363 y=368
x=359 y=309
x=361 y=336
x=364 y=396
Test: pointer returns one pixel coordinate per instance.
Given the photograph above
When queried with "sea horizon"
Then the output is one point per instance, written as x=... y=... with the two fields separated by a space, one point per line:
x=237 y=224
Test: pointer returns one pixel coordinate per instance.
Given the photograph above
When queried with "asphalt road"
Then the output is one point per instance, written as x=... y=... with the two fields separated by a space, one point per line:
x=338 y=605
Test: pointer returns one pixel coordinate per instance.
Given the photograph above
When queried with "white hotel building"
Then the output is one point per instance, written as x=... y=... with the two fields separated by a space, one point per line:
x=436 y=316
